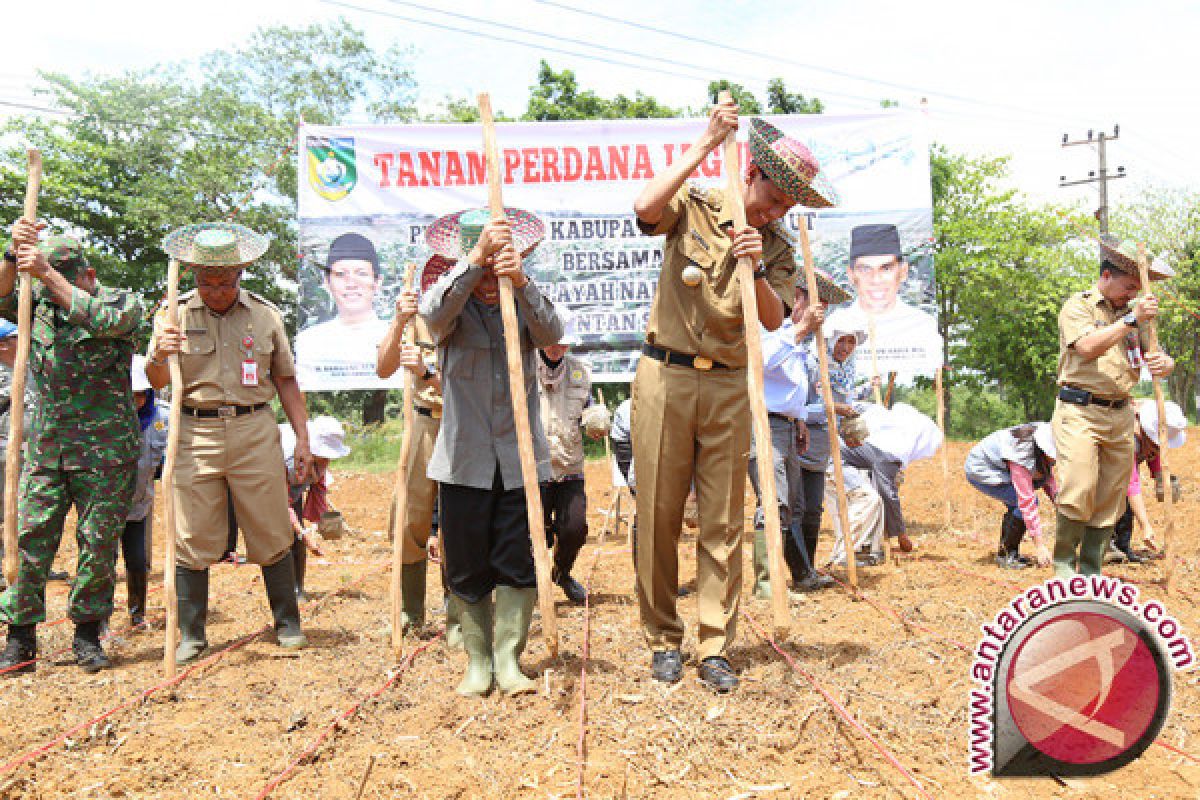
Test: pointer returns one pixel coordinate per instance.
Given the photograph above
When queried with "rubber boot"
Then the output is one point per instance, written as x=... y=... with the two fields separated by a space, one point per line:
x=1012 y=531
x=1123 y=537
x=514 y=613
x=191 y=590
x=1067 y=536
x=20 y=652
x=135 y=585
x=762 y=574
x=454 y=633
x=89 y=655
x=299 y=564
x=412 y=596
x=1091 y=550
x=476 y=621
x=280 y=581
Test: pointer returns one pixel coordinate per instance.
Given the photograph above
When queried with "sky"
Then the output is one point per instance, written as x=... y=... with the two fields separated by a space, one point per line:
x=997 y=78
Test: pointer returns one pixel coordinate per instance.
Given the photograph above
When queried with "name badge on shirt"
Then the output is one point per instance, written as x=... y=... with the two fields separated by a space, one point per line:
x=249 y=372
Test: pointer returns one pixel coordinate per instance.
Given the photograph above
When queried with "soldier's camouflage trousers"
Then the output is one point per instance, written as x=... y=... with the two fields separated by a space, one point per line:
x=101 y=496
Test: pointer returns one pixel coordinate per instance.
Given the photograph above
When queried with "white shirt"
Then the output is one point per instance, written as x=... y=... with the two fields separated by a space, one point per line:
x=786 y=367
x=337 y=355
x=907 y=341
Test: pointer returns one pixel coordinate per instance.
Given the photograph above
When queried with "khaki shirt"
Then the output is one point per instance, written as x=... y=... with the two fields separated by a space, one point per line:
x=566 y=391
x=214 y=349
x=1112 y=375
x=427 y=395
x=706 y=319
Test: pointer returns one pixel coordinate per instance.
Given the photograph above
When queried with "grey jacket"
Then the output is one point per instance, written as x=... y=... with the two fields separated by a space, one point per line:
x=477 y=430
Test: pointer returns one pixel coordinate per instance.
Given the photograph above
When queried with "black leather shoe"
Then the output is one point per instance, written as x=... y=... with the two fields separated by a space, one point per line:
x=20 y=652
x=718 y=674
x=814 y=582
x=667 y=666
x=1132 y=557
x=573 y=589
x=1011 y=561
x=89 y=655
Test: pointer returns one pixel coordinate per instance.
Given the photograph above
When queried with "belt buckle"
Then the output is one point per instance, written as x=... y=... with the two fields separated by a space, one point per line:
x=702 y=363
x=436 y=413
x=226 y=412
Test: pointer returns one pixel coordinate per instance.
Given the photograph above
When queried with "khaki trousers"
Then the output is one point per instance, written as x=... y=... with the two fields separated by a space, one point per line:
x=244 y=454
x=422 y=492
x=690 y=425
x=1095 y=457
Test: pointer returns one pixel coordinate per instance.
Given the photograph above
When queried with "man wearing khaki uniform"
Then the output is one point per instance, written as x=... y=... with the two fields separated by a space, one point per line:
x=1102 y=350
x=235 y=357
x=691 y=409
x=417 y=525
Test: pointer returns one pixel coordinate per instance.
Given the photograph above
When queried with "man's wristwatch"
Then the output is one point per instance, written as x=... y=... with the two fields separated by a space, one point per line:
x=10 y=256
x=1130 y=319
x=760 y=271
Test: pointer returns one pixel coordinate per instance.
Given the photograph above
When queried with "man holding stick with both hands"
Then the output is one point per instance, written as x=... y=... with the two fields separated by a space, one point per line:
x=691 y=409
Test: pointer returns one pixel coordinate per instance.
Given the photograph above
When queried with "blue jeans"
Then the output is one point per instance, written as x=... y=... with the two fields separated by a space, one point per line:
x=1005 y=492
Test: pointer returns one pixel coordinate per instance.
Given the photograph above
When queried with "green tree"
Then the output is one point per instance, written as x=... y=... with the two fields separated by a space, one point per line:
x=557 y=96
x=781 y=101
x=746 y=101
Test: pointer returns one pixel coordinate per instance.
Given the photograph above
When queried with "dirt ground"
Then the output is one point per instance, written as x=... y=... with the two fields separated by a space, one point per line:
x=230 y=727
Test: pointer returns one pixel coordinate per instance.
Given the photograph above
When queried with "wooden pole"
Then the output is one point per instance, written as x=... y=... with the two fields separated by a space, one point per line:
x=171 y=528
x=835 y=447
x=939 y=389
x=758 y=400
x=874 y=361
x=516 y=384
x=887 y=398
x=1160 y=400
x=400 y=489
x=608 y=464
x=16 y=413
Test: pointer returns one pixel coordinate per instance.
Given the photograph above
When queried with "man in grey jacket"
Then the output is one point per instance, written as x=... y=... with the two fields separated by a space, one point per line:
x=484 y=523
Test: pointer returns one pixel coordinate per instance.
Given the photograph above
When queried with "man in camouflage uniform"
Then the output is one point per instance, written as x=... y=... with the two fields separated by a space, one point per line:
x=83 y=440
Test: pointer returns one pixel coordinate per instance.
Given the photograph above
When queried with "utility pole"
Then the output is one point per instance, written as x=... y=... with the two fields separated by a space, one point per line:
x=1102 y=177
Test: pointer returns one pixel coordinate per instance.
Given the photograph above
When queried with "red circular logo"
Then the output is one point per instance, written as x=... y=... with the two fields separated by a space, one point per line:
x=1083 y=688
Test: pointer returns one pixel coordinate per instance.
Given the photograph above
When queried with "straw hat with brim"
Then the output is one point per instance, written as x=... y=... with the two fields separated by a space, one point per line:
x=434 y=268
x=828 y=292
x=137 y=374
x=1124 y=256
x=453 y=235
x=790 y=165
x=215 y=245
x=326 y=438
x=854 y=430
x=1176 y=422
x=1043 y=437
x=837 y=332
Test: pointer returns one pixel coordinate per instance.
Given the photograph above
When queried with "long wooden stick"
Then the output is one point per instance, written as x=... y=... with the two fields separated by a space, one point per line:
x=171 y=529
x=400 y=490
x=608 y=464
x=758 y=399
x=1160 y=400
x=16 y=412
x=887 y=398
x=835 y=446
x=516 y=385
x=940 y=390
x=874 y=360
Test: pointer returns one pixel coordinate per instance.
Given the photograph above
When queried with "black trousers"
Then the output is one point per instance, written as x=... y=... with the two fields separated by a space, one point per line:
x=565 y=507
x=133 y=546
x=485 y=536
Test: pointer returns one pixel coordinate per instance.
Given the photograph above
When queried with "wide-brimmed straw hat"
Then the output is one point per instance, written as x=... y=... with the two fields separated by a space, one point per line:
x=215 y=245
x=828 y=292
x=842 y=328
x=1124 y=256
x=1043 y=436
x=434 y=268
x=327 y=438
x=790 y=165
x=453 y=235
x=1176 y=422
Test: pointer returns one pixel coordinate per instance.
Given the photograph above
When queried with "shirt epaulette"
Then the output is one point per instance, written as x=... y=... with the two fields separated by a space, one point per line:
x=263 y=300
x=710 y=197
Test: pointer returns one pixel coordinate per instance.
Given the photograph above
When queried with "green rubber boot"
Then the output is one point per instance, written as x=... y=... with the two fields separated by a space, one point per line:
x=1091 y=550
x=1067 y=538
x=412 y=596
x=476 y=619
x=762 y=573
x=191 y=591
x=514 y=613
x=454 y=634
x=279 y=579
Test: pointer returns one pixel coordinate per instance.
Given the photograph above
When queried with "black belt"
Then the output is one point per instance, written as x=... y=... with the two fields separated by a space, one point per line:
x=1082 y=397
x=223 y=412
x=428 y=412
x=702 y=363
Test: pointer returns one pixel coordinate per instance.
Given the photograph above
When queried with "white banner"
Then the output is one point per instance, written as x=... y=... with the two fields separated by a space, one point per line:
x=387 y=183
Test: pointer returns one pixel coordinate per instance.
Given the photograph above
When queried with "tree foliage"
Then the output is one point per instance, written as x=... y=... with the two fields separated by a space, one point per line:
x=781 y=101
x=557 y=96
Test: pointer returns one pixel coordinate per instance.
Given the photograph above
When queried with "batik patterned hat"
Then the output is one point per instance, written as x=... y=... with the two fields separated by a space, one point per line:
x=790 y=166
x=828 y=292
x=434 y=268
x=453 y=235
x=1124 y=256
x=215 y=245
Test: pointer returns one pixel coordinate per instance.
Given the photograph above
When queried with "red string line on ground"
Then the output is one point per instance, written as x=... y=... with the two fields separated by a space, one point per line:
x=63 y=619
x=179 y=678
x=112 y=633
x=581 y=741
x=838 y=707
x=900 y=617
x=329 y=729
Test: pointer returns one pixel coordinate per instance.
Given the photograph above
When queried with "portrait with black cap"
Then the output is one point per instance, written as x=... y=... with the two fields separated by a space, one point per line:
x=344 y=346
x=906 y=337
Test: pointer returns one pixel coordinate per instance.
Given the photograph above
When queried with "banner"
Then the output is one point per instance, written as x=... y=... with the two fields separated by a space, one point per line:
x=367 y=193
